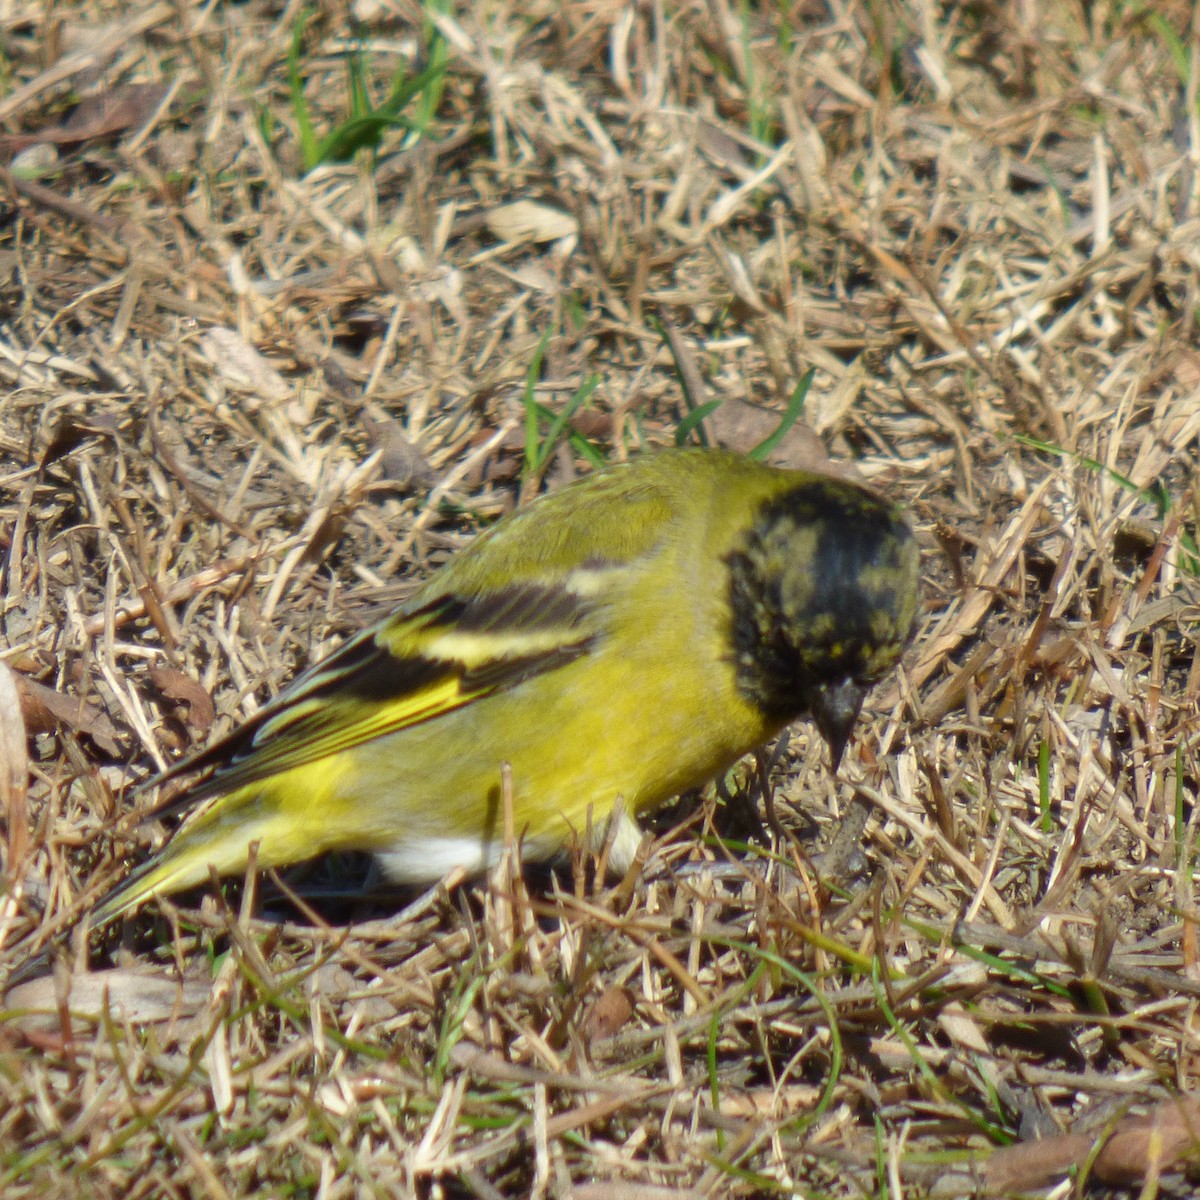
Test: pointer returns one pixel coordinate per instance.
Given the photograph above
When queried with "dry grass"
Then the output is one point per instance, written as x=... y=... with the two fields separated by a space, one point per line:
x=979 y=227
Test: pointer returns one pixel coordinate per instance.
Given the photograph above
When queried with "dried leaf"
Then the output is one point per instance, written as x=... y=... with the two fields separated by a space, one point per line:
x=338 y=382
x=1164 y=1140
x=219 y=1065
x=98 y=116
x=962 y=1029
x=130 y=995
x=528 y=221
x=324 y=536
x=183 y=689
x=72 y=432
x=402 y=462
x=608 y=1014
x=35 y=162
x=114 y=110
x=503 y=465
x=44 y=710
x=738 y=425
x=241 y=365
x=14 y=770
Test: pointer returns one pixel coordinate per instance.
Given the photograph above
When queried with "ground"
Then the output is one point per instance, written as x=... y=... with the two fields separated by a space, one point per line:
x=295 y=302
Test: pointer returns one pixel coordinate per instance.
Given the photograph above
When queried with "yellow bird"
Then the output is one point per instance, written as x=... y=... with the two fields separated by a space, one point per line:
x=629 y=636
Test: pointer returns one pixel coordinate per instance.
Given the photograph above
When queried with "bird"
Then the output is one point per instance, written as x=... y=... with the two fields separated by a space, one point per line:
x=611 y=645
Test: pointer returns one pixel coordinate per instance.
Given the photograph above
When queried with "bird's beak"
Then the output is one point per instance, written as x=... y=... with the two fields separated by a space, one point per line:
x=835 y=712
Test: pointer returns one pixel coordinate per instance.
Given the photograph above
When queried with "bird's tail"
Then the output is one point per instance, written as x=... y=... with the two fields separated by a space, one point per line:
x=217 y=838
x=167 y=871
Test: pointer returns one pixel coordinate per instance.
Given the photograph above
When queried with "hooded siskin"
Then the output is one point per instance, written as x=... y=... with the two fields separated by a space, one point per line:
x=631 y=636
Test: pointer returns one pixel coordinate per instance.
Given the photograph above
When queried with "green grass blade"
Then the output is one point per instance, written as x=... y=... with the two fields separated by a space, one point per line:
x=795 y=409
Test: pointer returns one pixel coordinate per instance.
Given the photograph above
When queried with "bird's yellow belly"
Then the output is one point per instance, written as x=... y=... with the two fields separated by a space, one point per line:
x=570 y=762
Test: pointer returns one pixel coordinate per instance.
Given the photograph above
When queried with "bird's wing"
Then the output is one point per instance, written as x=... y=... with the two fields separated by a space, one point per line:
x=524 y=599
x=419 y=664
